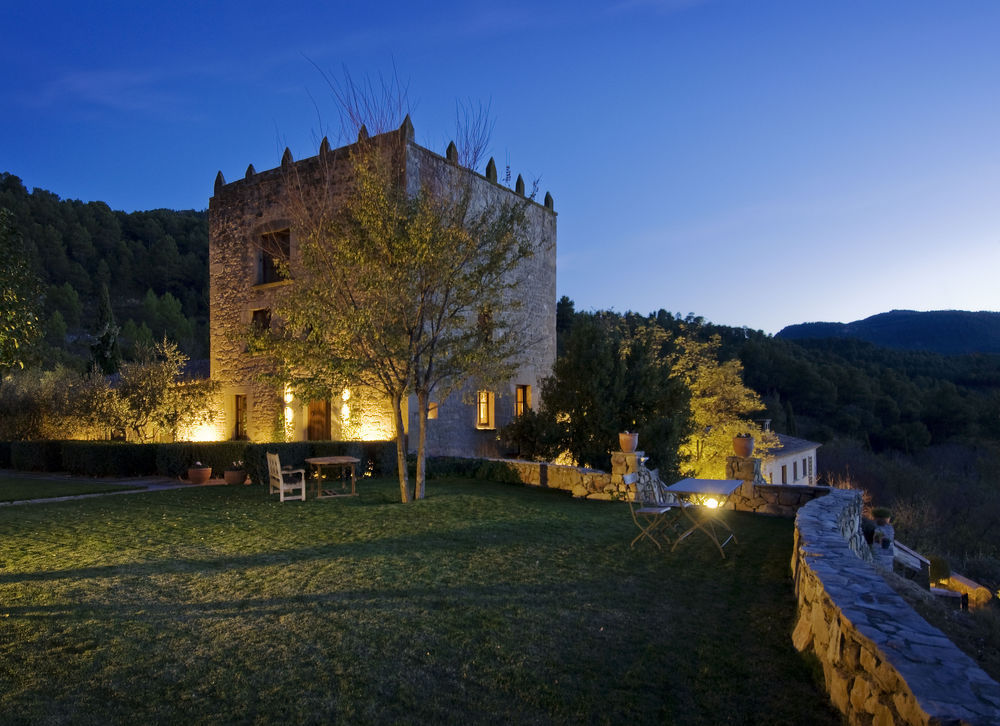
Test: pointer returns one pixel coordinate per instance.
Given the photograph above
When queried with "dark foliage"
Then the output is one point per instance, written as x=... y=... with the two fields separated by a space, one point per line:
x=75 y=248
x=105 y=458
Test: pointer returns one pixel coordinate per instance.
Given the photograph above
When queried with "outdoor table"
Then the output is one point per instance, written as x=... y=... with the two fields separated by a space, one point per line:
x=702 y=499
x=343 y=464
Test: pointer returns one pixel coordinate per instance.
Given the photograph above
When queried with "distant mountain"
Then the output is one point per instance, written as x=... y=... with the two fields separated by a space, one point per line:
x=939 y=331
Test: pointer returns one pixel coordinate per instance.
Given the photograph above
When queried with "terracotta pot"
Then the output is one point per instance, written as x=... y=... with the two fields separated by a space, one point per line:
x=199 y=475
x=628 y=442
x=234 y=476
x=743 y=446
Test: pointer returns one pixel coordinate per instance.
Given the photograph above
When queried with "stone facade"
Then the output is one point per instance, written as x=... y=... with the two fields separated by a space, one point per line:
x=882 y=663
x=244 y=212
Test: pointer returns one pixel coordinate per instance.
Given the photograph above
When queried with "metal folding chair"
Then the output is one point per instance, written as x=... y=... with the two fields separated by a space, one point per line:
x=653 y=509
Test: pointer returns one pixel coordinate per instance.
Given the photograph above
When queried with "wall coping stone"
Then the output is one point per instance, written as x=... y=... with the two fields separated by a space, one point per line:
x=945 y=685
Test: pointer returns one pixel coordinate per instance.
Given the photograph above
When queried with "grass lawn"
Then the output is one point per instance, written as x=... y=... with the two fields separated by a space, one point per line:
x=484 y=603
x=15 y=488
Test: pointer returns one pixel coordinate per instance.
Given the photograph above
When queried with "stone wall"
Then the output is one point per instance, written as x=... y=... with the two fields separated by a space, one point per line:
x=882 y=663
x=241 y=211
x=578 y=481
x=776 y=499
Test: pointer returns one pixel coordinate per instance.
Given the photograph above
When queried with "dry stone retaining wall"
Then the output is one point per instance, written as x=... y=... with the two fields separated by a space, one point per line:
x=882 y=663
x=782 y=500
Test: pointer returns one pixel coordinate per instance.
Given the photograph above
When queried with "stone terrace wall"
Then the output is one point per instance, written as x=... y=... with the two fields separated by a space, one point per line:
x=782 y=500
x=883 y=664
x=580 y=482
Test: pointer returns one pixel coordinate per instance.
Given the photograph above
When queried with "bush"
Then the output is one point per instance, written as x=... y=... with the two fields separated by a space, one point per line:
x=36 y=455
x=112 y=458
x=173 y=460
x=439 y=467
x=939 y=568
x=108 y=458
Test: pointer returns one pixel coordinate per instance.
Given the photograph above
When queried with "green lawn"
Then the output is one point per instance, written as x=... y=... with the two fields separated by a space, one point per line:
x=15 y=488
x=484 y=603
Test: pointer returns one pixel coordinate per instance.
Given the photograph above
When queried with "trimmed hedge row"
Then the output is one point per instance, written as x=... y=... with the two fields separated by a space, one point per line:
x=439 y=467
x=112 y=458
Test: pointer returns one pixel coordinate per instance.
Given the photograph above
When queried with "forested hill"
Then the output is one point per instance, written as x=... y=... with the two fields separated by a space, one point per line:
x=154 y=263
x=940 y=331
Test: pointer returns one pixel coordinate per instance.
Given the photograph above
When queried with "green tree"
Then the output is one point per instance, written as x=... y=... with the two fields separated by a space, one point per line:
x=155 y=401
x=105 y=351
x=721 y=407
x=612 y=376
x=19 y=324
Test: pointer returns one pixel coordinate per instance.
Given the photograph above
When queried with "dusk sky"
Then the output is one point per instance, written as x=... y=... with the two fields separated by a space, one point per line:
x=757 y=163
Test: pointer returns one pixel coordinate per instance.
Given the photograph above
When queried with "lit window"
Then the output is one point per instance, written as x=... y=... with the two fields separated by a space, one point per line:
x=432 y=410
x=522 y=402
x=275 y=252
x=484 y=410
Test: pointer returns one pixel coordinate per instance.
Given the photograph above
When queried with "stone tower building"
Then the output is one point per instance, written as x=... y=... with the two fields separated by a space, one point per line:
x=250 y=223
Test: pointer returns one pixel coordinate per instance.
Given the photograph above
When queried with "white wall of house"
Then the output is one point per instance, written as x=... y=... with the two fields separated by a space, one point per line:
x=793 y=463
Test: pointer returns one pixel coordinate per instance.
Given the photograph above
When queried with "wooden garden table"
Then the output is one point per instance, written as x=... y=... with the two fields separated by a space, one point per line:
x=343 y=464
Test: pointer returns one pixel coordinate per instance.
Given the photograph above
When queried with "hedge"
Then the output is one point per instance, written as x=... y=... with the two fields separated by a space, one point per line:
x=36 y=455
x=107 y=458
x=113 y=458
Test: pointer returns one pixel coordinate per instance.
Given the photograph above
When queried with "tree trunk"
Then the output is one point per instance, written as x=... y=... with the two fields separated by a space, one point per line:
x=404 y=485
x=421 y=445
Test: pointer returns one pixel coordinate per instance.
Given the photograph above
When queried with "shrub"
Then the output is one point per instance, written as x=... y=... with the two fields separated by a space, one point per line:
x=36 y=455
x=483 y=469
x=173 y=460
x=939 y=568
x=108 y=458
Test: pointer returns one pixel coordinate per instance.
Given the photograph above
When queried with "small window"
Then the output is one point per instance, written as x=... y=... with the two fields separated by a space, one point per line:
x=432 y=410
x=240 y=409
x=784 y=473
x=484 y=410
x=260 y=320
x=275 y=252
x=522 y=400
x=795 y=471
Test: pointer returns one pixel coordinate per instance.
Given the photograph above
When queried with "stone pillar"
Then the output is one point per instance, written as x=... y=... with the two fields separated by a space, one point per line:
x=623 y=463
x=747 y=469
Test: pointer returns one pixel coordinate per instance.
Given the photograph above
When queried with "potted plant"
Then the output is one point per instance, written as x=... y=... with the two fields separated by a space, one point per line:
x=628 y=441
x=743 y=445
x=884 y=533
x=882 y=515
x=235 y=473
x=198 y=473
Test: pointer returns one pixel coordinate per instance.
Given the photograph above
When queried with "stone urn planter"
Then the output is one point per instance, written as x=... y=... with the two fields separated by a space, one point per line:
x=199 y=474
x=743 y=445
x=628 y=441
x=235 y=476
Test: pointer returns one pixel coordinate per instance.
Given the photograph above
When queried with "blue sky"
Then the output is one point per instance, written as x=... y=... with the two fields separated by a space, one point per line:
x=757 y=163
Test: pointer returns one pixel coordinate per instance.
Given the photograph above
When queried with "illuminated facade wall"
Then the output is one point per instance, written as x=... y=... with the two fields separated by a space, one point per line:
x=794 y=462
x=248 y=210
